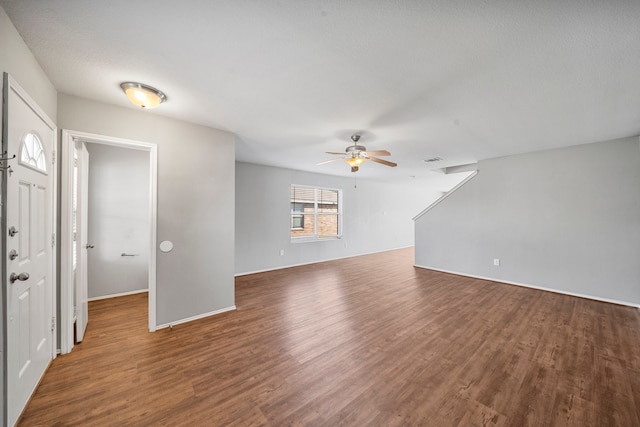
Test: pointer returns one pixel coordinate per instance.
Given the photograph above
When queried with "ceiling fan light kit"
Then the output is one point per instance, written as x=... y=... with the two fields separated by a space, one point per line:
x=355 y=155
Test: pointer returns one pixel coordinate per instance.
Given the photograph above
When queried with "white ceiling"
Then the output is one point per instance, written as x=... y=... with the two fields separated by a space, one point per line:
x=460 y=80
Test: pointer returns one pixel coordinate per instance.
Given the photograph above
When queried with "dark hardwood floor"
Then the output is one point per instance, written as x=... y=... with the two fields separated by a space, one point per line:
x=362 y=341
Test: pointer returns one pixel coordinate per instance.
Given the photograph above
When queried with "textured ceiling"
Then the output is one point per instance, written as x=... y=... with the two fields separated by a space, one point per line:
x=460 y=80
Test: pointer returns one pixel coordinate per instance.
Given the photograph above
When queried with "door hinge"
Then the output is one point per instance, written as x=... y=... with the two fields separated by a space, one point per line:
x=53 y=157
x=53 y=240
x=53 y=323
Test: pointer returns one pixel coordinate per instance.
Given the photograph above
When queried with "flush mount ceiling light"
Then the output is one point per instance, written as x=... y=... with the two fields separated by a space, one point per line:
x=142 y=95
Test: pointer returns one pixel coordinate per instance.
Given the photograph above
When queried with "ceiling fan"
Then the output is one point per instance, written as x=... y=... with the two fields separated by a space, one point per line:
x=355 y=155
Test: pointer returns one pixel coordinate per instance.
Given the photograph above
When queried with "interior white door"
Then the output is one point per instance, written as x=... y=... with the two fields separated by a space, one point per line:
x=30 y=135
x=82 y=285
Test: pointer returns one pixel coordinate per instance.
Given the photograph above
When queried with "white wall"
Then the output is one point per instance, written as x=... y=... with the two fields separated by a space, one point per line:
x=567 y=220
x=377 y=217
x=17 y=60
x=195 y=202
x=118 y=220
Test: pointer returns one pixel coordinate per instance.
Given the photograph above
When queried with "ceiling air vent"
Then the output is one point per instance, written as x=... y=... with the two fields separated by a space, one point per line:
x=433 y=159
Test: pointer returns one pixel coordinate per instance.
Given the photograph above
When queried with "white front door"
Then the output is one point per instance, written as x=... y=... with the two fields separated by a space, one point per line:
x=30 y=135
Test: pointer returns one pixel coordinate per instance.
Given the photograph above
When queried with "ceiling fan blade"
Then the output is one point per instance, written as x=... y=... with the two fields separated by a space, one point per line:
x=327 y=161
x=333 y=152
x=377 y=153
x=383 y=162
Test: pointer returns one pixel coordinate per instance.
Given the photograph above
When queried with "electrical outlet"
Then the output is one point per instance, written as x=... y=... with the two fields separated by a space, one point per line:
x=496 y=262
x=281 y=252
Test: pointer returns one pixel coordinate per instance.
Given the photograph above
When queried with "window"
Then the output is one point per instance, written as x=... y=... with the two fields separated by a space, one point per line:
x=315 y=213
x=297 y=216
x=32 y=152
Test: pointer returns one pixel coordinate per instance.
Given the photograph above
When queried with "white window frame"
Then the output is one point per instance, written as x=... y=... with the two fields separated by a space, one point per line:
x=315 y=237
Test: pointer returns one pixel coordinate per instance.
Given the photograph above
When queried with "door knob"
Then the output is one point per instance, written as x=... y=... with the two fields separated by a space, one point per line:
x=22 y=277
x=12 y=231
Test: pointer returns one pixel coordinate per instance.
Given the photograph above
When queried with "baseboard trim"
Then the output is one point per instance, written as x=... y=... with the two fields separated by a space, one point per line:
x=139 y=291
x=318 y=261
x=540 y=288
x=199 y=316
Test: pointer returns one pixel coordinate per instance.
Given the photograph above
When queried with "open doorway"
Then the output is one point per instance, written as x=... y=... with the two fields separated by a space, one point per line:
x=108 y=228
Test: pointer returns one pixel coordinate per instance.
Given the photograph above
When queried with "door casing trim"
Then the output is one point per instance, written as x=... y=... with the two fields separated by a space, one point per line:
x=69 y=137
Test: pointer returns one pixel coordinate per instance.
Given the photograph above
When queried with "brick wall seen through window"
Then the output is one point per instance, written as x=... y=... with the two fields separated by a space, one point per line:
x=315 y=213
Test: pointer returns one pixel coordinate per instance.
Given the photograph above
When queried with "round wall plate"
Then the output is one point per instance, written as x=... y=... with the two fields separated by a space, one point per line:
x=166 y=246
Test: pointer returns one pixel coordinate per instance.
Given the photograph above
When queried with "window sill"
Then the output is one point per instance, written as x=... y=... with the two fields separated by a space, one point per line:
x=314 y=239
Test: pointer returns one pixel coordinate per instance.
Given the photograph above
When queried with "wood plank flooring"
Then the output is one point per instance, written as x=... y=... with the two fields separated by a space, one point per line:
x=364 y=341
